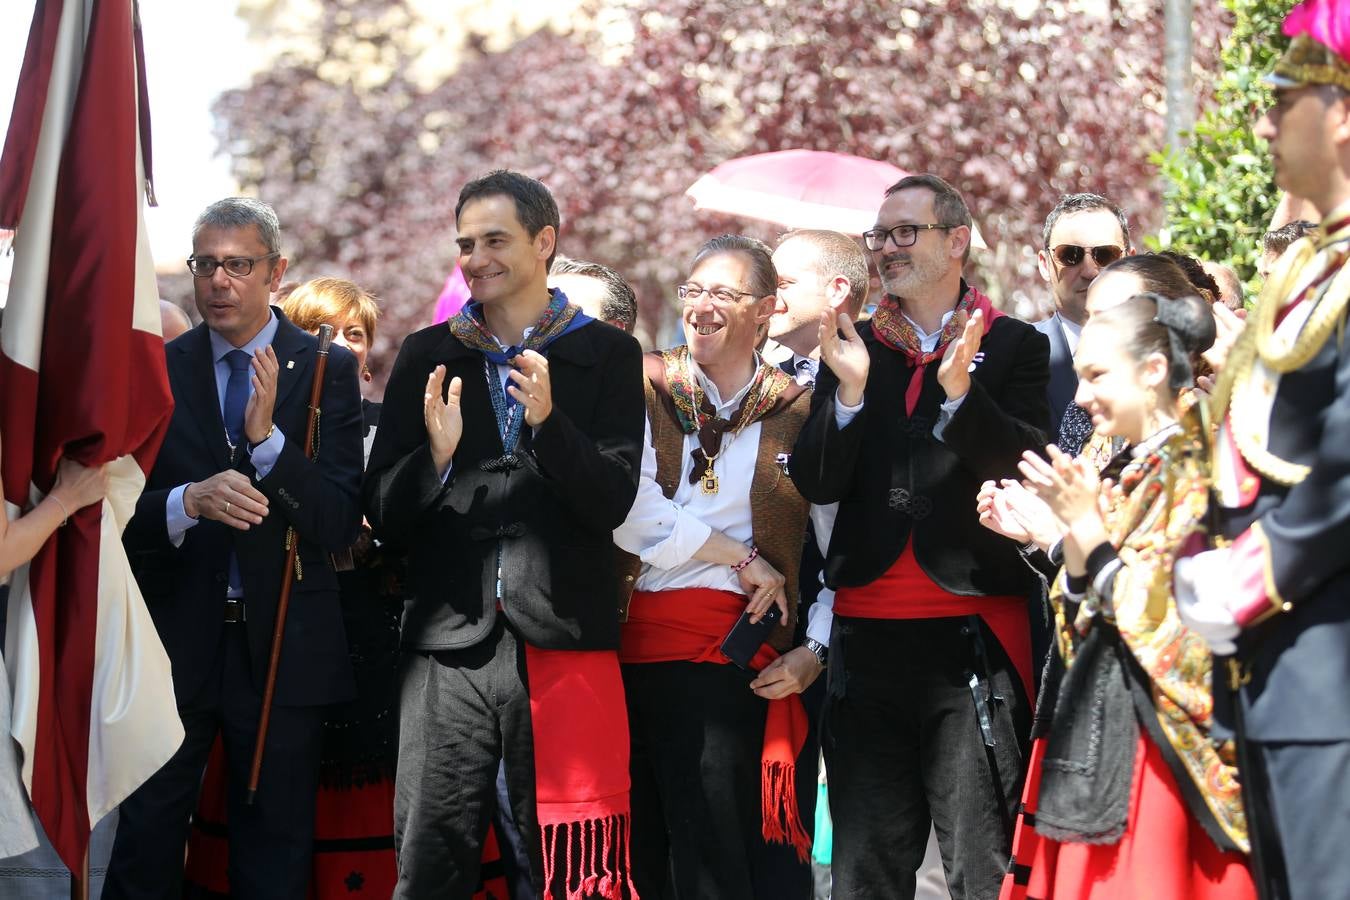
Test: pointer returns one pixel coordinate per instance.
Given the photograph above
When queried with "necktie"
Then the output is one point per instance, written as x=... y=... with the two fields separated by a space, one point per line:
x=236 y=395
x=236 y=401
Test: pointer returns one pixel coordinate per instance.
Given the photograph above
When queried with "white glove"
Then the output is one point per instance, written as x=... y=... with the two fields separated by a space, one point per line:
x=1200 y=583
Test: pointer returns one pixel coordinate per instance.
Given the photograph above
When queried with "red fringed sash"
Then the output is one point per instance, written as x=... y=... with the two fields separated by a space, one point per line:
x=689 y=625
x=580 y=725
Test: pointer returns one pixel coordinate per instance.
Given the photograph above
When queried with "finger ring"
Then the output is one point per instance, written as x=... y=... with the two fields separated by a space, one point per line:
x=227 y=507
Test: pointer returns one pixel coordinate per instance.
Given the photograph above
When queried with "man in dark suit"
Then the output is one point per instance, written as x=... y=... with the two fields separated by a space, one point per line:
x=928 y=705
x=1274 y=605
x=508 y=451
x=230 y=488
x=1083 y=233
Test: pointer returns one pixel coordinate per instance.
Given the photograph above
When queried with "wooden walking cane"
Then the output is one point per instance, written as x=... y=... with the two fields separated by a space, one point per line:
x=288 y=573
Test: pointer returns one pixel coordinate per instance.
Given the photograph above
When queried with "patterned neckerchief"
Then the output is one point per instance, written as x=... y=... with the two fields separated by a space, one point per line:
x=695 y=412
x=894 y=329
x=559 y=318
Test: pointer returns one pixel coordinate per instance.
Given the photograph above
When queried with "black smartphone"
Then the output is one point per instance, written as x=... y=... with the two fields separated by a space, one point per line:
x=744 y=639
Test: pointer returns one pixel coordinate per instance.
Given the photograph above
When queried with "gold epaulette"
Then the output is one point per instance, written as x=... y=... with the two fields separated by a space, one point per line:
x=1259 y=342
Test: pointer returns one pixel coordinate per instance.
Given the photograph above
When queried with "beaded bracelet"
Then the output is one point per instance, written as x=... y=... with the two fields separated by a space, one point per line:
x=754 y=554
x=65 y=513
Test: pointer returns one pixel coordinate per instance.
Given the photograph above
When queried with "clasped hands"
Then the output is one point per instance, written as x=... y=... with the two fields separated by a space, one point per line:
x=528 y=385
x=1061 y=497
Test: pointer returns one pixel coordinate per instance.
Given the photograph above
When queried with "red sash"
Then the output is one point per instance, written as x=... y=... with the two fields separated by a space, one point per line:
x=580 y=725
x=905 y=591
x=688 y=625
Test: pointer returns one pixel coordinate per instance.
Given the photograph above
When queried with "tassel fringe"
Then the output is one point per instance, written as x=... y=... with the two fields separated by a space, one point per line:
x=597 y=856
x=778 y=801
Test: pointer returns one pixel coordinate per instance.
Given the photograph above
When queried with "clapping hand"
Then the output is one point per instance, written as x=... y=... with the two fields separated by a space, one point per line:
x=444 y=421
x=1069 y=487
x=531 y=386
x=846 y=357
x=954 y=370
x=1011 y=510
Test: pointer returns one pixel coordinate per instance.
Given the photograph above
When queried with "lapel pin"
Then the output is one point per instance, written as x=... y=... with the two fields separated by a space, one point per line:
x=290 y=364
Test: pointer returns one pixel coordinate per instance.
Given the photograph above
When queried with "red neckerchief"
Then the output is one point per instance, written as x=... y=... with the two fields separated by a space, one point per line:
x=896 y=331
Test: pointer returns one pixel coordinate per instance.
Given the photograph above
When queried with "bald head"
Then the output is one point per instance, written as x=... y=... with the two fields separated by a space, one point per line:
x=172 y=320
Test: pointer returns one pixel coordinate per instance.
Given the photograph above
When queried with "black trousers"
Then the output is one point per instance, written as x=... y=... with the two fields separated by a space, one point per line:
x=904 y=748
x=697 y=738
x=1303 y=822
x=461 y=713
x=271 y=842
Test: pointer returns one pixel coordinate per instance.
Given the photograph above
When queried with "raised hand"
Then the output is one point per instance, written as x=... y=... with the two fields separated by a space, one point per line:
x=954 y=370
x=846 y=357
x=258 y=413
x=1228 y=325
x=444 y=421
x=1069 y=487
x=531 y=387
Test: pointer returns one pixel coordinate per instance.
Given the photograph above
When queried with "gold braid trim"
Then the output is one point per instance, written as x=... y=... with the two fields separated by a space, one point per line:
x=1258 y=342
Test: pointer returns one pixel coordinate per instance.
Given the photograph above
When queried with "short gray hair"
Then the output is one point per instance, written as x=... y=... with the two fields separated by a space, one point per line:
x=241 y=212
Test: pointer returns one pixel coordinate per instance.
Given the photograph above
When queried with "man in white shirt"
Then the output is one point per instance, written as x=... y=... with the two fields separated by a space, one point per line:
x=716 y=532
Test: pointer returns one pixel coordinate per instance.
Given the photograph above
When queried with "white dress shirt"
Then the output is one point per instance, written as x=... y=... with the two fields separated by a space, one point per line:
x=666 y=533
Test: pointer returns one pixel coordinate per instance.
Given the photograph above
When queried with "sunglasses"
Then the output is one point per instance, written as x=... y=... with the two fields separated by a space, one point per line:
x=1070 y=255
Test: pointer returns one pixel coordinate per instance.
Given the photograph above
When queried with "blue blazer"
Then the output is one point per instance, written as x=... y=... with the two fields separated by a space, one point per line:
x=1063 y=380
x=185 y=586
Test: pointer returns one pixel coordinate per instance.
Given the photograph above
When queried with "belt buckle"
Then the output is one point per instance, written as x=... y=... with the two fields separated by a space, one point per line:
x=234 y=610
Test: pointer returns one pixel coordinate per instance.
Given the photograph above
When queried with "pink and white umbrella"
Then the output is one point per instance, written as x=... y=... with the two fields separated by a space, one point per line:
x=801 y=189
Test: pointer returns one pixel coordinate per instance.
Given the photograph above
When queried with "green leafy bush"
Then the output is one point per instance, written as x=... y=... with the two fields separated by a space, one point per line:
x=1220 y=190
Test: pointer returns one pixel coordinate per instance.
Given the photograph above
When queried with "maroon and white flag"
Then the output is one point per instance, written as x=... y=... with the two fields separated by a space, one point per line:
x=82 y=374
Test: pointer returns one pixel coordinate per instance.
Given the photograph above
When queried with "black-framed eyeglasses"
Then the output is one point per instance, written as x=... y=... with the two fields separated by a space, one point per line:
x=1070 y=255
x=690 y=293
x=235 y=266
x=903 y=235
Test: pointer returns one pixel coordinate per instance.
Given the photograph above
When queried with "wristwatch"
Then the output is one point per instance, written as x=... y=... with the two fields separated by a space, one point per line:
x=821 y=651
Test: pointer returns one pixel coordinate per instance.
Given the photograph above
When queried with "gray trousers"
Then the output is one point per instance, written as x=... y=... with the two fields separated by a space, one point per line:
x=461 y=713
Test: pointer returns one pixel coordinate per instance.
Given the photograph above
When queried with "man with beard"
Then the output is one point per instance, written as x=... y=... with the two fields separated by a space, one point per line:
x=929 y=681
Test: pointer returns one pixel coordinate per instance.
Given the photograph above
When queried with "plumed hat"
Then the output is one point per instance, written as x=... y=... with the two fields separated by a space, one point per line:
x=1320 y=50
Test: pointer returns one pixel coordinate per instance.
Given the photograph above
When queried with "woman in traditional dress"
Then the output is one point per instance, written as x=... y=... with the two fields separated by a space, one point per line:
x=1127 y=795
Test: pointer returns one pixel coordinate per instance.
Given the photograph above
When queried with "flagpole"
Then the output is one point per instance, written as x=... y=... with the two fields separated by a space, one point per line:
x=79 y=883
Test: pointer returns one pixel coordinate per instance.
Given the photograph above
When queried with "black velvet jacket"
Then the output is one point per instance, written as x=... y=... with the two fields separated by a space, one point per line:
x=550 y=508
x=895 y=482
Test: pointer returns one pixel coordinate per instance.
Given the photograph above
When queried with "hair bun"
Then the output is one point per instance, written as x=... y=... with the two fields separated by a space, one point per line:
x=1190 y=319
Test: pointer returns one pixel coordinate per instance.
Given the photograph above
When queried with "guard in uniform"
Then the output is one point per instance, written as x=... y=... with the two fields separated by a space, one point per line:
x=1274 y=600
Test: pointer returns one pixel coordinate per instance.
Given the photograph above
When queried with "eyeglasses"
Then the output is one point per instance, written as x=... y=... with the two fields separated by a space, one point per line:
x=235 y=266
x=690 y=293
x=903 y=235
x=1070 y=255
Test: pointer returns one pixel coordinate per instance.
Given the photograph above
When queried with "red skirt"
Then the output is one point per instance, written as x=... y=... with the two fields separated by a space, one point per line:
x=1164 y=853
x=353 y=842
